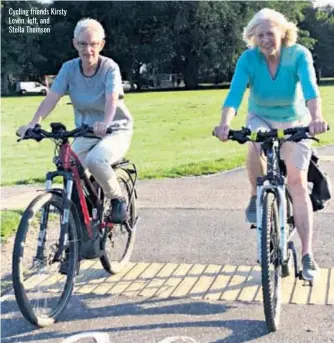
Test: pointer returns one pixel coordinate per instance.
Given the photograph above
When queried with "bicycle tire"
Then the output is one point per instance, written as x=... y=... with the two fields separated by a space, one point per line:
x=112 y=266
x=26 y=308
x=270 y=259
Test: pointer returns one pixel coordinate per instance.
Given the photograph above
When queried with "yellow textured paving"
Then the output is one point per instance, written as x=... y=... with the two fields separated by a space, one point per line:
x=88 y=264
x=93 y=266
x=198 y=281
x=160 y=279
x=52 y=282
x=318 y=291
x=259 y=295
x=128 y=278
x=236 y=284
x=144 y=278
x=35 y=280
x=221 y=282
x=174 y=280
x=94 y=280
x=111 y=281
x=204 y=282
x=184 y=287
x=288 y=285
x=301 y=293
x=251 y=286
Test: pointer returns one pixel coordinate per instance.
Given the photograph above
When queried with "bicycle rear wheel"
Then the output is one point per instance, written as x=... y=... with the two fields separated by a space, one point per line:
x=121 y=237
x=41 y=289
x=270 y=262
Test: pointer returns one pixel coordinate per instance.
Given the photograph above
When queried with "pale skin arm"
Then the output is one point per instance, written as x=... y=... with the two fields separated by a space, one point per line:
x=110 y=108
x=318 y=124
x=44 y=109
x=100 y=128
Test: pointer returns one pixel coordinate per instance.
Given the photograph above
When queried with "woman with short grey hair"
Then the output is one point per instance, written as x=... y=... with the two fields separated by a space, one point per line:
x=283 y=94
x=94 y=85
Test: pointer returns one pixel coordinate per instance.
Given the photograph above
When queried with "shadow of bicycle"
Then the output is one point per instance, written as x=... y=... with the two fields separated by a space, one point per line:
x=167 y=314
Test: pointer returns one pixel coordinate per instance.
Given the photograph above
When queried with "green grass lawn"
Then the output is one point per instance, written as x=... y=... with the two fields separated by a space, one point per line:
x=172 y=134
x=9 y=223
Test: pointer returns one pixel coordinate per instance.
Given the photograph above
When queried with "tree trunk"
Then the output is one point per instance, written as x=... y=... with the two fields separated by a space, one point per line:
x=190 y=73
x=4 y=83
x=318 y=75
x=137 y=75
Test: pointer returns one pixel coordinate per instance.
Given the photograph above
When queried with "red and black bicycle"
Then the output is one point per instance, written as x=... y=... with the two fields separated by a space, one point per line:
x=65 y=225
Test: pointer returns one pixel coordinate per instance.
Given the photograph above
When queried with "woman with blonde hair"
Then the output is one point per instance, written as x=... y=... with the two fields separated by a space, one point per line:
x=283 y=94
x=94 y=85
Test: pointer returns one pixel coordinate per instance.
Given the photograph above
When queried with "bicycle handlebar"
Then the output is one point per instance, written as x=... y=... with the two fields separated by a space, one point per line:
x=245 y=135
x=59 y=132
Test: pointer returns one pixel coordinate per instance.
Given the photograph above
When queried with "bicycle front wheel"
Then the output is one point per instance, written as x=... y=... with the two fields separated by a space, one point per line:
x=120 y=238
x=270 y=262
x=43 y=272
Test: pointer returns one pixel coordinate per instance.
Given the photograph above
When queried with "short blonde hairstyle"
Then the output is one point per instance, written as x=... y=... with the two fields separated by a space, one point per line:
x=289 y=29
x=88 y=23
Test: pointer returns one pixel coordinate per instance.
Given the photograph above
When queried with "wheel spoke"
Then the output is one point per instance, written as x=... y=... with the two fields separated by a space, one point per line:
x=119 y=243
x=40 y=289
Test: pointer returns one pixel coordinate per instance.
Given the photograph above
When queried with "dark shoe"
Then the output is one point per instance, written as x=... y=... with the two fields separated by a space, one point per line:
x=251 y=210
x=119 y=213
x=310 y=267
x=64 y=266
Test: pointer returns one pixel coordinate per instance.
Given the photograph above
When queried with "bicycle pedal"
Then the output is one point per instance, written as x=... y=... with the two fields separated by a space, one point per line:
x=308 y=283
x=253 y=226
x=305 y=282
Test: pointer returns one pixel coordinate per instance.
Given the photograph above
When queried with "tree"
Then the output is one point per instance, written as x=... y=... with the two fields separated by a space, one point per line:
x=320 y=23
x=20 y=55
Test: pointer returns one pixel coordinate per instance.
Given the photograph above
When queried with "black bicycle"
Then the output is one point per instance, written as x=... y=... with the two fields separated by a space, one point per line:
x=64 y=225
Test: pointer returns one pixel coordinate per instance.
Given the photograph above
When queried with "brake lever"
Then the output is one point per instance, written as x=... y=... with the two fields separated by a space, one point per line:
x=314 y=139
x=297 y=137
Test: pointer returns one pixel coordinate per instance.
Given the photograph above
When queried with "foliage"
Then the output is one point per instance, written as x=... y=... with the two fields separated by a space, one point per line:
x=199 y=39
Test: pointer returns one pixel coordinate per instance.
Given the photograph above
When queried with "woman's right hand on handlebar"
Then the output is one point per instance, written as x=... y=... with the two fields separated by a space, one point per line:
x=21 y=131
x=221 y=132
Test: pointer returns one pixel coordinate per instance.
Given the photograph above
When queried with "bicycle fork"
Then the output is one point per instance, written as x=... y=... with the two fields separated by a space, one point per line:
x=67 y=194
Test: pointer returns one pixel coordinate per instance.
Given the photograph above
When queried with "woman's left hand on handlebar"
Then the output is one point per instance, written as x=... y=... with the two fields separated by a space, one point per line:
x=318 y=126
x=100 y=129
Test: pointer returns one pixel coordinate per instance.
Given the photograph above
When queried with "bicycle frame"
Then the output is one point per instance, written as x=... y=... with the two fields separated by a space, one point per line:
x=69 y=162
x=274 y=182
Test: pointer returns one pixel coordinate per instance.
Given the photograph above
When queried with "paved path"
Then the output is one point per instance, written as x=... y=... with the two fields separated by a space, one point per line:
x=206 y=192
x=193 y=273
